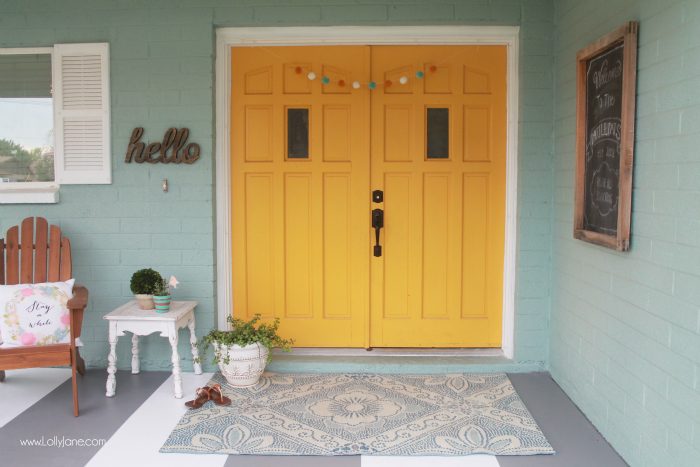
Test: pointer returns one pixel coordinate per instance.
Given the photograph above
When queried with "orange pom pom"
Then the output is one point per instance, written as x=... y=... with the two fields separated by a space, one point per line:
x=297 y=70
x=433 y=68
x=341 y=83
x=388 y=83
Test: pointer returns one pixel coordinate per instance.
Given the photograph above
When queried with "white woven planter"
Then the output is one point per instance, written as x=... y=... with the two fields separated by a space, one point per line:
x=245 y=365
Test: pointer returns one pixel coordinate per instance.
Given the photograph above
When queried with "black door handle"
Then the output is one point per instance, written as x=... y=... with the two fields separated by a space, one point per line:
x=377 y=224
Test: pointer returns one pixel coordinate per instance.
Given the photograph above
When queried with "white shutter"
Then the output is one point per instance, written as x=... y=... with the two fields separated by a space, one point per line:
x=81 y=116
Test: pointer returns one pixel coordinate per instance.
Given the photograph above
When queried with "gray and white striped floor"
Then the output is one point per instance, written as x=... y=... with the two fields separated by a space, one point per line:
x=36 y=407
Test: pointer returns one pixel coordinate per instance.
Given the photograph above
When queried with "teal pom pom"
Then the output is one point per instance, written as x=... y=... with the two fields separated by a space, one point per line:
x=372 y=85
x=419 y=74
x=325 y=80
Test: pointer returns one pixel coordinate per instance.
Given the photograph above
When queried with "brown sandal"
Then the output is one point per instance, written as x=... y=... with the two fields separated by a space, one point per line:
x=203 y=395
x=217 y=396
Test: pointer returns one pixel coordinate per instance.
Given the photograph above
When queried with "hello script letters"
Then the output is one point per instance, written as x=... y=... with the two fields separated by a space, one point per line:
x=174 y=148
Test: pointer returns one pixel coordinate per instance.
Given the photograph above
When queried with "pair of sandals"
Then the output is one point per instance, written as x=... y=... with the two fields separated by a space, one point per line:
x=206 y=394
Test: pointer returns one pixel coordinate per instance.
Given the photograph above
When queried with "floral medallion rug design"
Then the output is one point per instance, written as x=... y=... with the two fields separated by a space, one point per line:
x=351 y=414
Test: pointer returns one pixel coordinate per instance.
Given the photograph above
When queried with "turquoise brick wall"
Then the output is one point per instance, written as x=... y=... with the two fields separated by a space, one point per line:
x=162 y=59
x=625 y=342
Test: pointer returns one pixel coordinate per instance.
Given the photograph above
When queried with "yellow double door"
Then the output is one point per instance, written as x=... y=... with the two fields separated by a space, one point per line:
x=324 y=140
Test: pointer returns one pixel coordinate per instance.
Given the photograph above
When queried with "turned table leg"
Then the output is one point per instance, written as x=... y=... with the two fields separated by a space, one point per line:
x=177 y=378
x=195 y=351
x=112 y=361
x=135 y=364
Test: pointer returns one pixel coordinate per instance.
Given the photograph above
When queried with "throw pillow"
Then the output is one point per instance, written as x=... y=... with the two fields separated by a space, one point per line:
x=35 y=314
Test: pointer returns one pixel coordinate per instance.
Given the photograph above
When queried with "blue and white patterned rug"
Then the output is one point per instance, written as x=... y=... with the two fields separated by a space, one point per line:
x=351 y=414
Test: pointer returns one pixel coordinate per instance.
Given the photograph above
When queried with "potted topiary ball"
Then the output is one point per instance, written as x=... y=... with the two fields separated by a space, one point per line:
x=143 y=284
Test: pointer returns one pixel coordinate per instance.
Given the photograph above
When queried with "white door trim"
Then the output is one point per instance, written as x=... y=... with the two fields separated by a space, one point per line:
x=361 y=35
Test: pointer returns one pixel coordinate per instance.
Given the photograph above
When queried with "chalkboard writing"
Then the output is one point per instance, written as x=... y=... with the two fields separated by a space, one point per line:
x=605 y=100
x=603 y=133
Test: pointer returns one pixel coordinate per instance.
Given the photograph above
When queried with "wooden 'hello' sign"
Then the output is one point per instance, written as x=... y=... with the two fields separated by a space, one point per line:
x=606 y=76
x=174 y=149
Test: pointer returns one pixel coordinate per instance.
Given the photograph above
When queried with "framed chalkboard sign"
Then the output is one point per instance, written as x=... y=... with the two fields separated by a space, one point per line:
x=605 y=100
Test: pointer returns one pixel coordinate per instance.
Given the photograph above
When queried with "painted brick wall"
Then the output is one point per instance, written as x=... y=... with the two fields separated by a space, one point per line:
x=162 y=58
x=625 y=342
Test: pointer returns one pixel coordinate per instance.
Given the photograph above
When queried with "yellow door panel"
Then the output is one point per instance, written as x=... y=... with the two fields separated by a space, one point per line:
x=303 y=155
x=258 y=264
x=300 y=184
x=438 y=153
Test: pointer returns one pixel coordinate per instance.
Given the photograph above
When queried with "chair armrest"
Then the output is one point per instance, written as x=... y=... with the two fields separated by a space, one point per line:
x=77 y=305
x=80 y=298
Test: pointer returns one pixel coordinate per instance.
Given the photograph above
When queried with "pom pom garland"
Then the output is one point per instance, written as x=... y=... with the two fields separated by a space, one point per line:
x=311 y=76
x=386 y=83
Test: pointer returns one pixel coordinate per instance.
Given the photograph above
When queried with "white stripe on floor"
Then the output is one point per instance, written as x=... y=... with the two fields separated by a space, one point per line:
x=476 y=460
x=138 y=440
x=24 y=388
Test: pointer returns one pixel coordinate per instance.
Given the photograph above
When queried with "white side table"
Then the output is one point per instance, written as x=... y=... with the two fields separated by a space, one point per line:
x=130 y=318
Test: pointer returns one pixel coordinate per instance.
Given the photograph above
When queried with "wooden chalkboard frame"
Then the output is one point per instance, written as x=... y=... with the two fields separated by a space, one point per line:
x=626 y=36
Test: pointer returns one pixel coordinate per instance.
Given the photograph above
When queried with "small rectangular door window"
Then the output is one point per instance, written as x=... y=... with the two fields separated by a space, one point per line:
x=297 y=133
x=438 y=133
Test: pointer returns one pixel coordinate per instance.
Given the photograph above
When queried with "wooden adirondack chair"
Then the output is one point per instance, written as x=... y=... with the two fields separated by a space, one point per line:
x=35 y=258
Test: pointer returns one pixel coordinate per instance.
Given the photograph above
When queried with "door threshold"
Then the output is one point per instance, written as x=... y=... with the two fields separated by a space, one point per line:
x=391 y=352
x=398 y=361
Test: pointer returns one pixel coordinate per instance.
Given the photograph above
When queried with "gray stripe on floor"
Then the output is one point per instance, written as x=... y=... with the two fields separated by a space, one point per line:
x=100 y=417
x=28 y=387
x=573 y=437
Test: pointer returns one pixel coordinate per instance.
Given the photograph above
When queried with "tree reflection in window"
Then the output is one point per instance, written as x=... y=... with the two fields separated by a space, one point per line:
x=26 y=118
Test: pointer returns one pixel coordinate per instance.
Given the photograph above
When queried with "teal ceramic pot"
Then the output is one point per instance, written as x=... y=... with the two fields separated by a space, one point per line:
x=162 y=303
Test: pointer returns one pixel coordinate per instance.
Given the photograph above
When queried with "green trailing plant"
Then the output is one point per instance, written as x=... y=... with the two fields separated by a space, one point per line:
x=243 y=333
x=164 y=287
x=145 y=281
x=161 y=289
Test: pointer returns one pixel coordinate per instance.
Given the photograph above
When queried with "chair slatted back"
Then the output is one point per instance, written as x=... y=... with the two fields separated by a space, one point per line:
x=41 y=246
x=34 y=252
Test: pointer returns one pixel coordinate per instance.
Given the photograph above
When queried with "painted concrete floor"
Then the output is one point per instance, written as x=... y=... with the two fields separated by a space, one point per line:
x=128 y=430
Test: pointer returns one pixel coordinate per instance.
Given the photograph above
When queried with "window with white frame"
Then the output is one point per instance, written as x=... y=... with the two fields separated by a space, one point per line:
x=54 y=120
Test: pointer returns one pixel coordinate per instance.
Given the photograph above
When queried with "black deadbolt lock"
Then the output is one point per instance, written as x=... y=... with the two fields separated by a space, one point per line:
x=378 y=196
